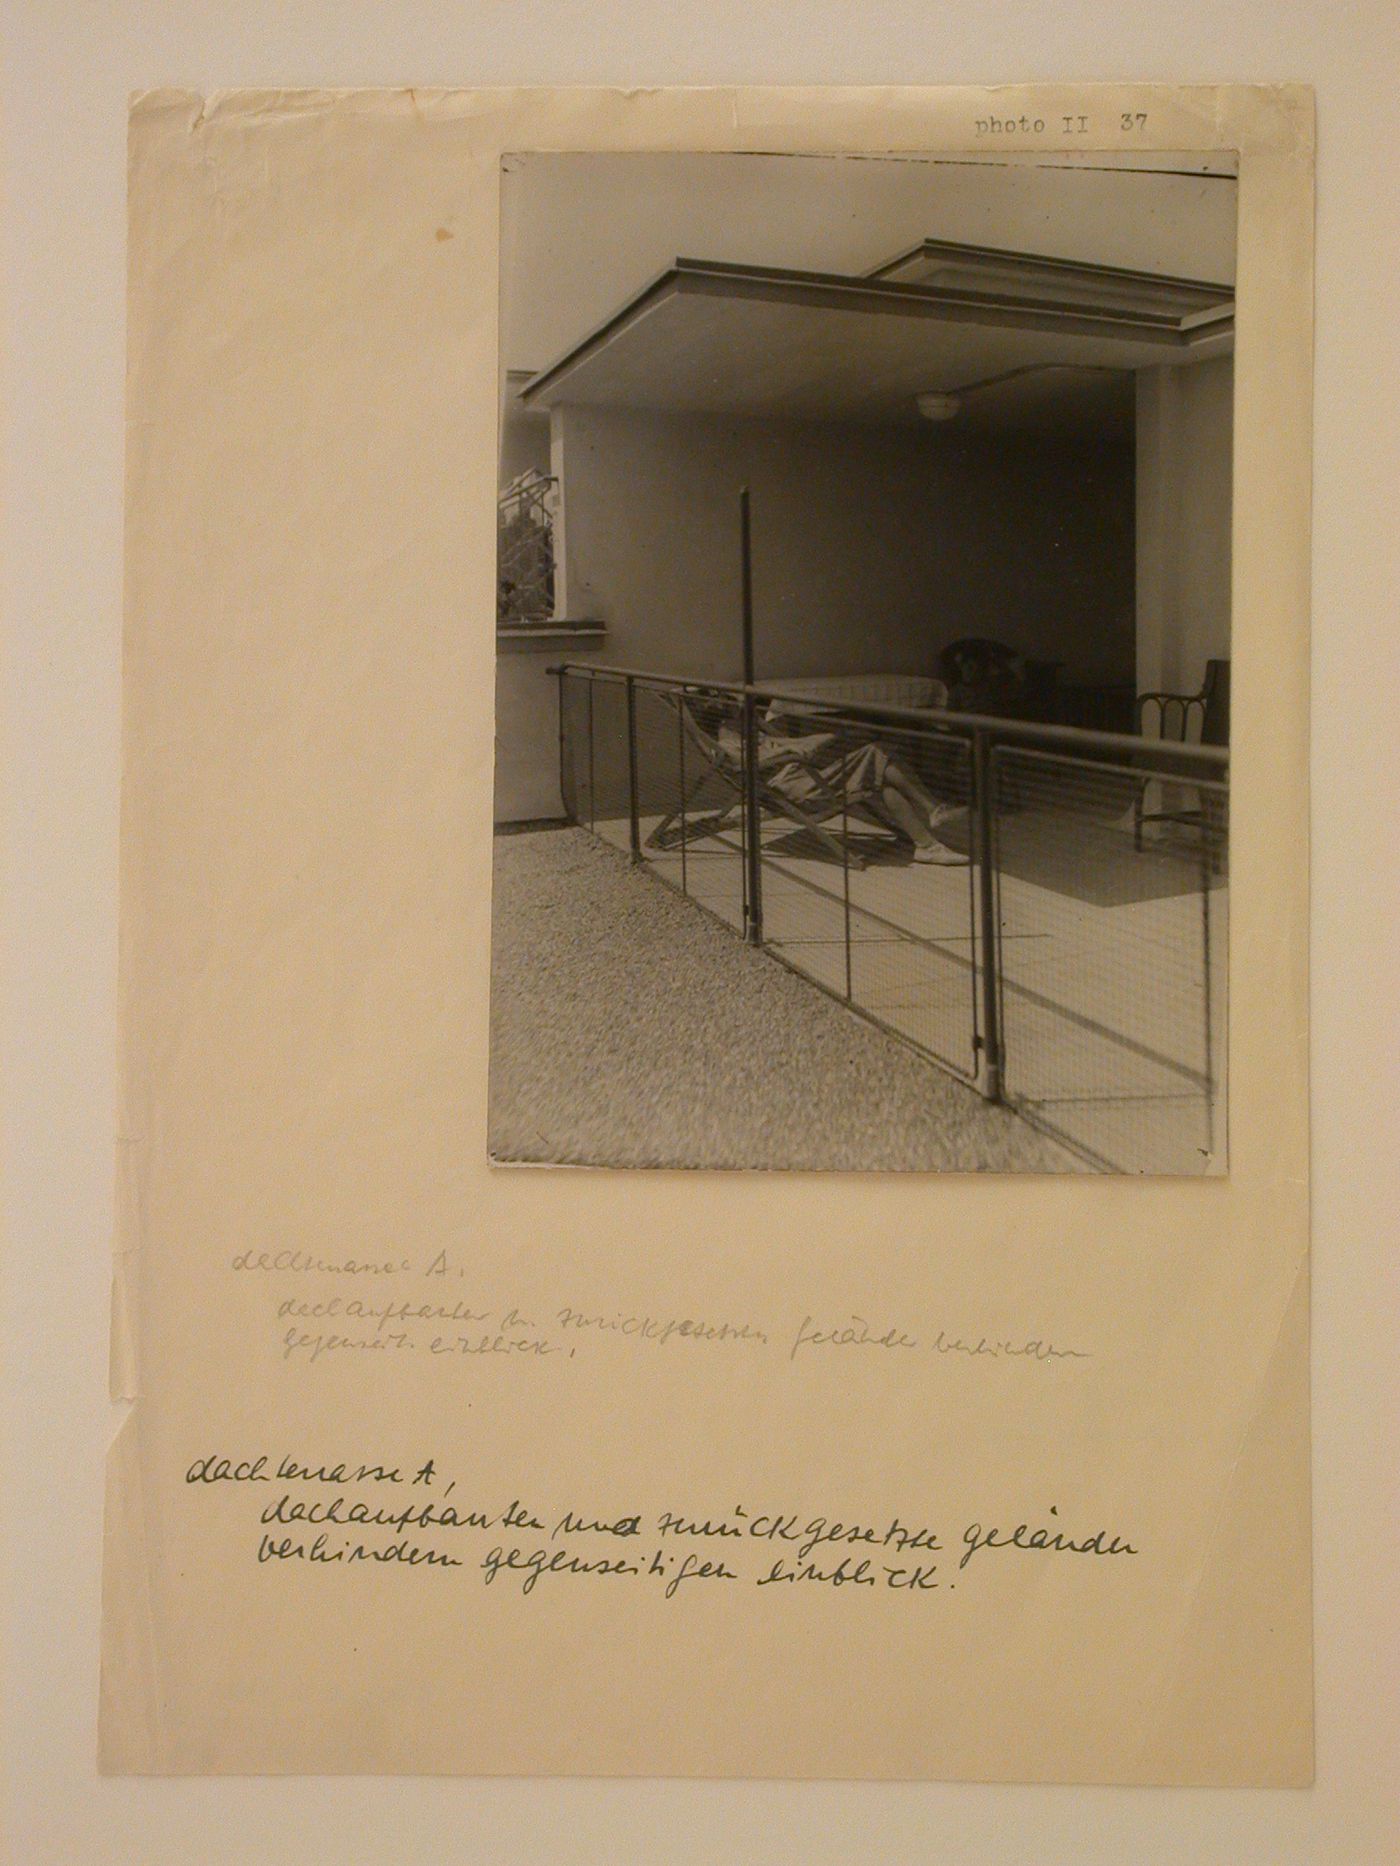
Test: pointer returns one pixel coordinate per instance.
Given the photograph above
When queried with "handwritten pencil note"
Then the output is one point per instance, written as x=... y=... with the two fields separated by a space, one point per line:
x=335 y=1322
x=430 y=1466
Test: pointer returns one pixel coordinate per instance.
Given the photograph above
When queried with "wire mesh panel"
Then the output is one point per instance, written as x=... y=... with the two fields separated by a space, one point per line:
x=913 y=947
x=608 y=764
x=1049 y=924
x=806 y=823
x=660 y=794
x=575 y=765
x=865 y=869
x=691 y=796
x=1111 y=946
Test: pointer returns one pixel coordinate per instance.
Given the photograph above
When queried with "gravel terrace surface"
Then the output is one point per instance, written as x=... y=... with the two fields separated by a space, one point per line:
x=629 y=1029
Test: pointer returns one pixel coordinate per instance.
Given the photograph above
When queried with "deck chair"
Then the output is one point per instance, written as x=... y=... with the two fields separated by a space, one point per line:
x=1183 y=719
x=702 y=720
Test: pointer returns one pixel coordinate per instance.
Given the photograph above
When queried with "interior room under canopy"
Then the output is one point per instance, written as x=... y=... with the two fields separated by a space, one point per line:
x=962 y=442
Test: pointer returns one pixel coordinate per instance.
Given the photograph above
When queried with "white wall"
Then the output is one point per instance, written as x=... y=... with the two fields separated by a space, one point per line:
x=524 y=440
x=527 y=725
x=873 y=547
x=1184 y=458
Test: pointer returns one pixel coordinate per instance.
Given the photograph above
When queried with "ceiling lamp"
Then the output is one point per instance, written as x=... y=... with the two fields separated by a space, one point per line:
x=935 y=405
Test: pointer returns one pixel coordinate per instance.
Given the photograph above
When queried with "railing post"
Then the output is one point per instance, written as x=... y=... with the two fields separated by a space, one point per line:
x=680 y=766
x=592 y=786
x=753 y=885
x=846 y=874
x=1207 y=867
x=561 y=675
x=633 y=823
x=989 y=1057
x=753 y=891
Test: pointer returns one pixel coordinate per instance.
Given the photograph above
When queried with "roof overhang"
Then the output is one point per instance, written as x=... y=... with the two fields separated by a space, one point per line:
x=1193 y=307
x=709 y=336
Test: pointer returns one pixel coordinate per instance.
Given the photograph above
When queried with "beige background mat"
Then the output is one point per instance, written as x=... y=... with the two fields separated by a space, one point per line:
x=256 y=1154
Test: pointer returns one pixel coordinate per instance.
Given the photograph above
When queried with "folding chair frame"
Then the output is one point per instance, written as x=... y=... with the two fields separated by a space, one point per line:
x=719 y=764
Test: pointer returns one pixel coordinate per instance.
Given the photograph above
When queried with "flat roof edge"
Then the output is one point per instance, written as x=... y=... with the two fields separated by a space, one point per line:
x=651 y=293
x=866 y=293
x=1081 y=268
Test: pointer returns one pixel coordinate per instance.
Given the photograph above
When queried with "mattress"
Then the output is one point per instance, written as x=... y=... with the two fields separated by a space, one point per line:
x=874 y=689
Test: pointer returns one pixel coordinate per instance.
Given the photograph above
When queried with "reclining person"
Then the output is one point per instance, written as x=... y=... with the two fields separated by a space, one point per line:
x=814 y=770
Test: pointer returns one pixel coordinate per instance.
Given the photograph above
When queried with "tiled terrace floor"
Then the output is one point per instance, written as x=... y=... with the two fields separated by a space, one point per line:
x=1112 y=1001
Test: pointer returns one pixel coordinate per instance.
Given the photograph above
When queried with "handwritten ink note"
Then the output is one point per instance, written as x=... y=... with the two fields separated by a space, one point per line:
x=348 y=1513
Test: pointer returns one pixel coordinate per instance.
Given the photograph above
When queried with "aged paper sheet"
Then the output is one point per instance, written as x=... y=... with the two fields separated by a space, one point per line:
x=437 y=1468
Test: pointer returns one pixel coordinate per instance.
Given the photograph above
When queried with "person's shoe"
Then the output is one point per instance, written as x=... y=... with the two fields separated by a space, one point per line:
x=940 y=853
x=945 y=813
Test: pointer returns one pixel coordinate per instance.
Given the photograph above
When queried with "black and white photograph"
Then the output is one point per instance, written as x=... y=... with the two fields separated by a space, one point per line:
x=863 y=662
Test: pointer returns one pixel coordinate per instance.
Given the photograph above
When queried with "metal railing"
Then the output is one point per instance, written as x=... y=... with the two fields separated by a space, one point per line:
x=1052 y=964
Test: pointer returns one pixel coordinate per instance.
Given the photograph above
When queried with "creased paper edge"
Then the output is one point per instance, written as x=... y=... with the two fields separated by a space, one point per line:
x=128 y=1738
x=1201 y=116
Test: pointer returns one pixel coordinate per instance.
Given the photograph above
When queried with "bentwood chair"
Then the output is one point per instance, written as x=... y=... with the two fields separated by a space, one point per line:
x=1201 y=718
